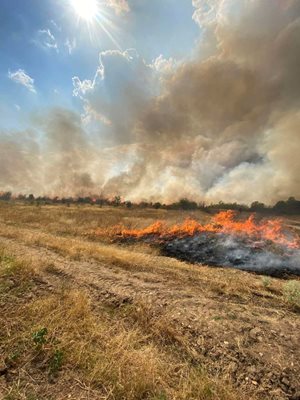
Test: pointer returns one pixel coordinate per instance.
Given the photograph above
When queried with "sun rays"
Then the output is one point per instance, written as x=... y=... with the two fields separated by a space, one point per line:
x=86 y=9
x=95 y=16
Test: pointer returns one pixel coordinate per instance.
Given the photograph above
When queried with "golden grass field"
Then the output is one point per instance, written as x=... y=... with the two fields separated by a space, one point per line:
x=84 y=318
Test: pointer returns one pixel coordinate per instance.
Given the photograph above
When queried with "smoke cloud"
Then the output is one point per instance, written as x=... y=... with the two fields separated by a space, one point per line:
x=223 y=126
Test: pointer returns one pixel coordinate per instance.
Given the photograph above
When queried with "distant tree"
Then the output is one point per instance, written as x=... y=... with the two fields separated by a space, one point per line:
x=143 y=204
x=100 y=201
x=280 y=206
x=186 y=204
x=202 y=205
x=291 y=200
x=257 y=206
x=128 y=204
x=117 y=201
x=157 y=205
x=5 y=196
x=84 y=200
x=292 y=206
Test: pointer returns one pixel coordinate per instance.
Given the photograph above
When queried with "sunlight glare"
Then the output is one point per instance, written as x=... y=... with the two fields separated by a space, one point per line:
x=85 y=9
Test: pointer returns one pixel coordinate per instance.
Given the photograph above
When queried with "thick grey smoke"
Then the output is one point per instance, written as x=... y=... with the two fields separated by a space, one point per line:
x=224 y=126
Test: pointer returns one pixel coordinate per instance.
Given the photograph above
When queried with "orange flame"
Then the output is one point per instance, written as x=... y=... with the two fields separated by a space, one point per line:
x=223 y=222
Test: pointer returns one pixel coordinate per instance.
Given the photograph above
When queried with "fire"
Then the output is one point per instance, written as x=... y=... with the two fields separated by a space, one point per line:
x=223 y=222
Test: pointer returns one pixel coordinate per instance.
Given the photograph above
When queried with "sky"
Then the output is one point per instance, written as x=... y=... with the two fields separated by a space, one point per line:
x=50 y=43
x=151 y=100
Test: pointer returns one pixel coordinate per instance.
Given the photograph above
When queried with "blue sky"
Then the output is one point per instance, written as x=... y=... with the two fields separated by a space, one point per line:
x=46 y=43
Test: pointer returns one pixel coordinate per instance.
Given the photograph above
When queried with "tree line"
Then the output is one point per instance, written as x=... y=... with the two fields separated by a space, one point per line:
x=289 y=206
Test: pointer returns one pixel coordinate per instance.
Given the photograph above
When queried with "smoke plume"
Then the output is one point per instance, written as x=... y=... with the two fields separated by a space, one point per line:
x=222 y=126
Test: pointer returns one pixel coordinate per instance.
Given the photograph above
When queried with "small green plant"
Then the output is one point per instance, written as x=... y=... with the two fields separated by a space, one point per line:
x=13 y=357
x=217 y=318
x=9 y=265
x=291 y=293
x=266 y=281
x=56 y=361
x=161 y=396
x=39 y=337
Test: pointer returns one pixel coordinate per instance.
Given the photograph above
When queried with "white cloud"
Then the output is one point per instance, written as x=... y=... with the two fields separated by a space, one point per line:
x=17 y=107
x=46 y=39
x=163 y=65
x=58 y=28
x=120 y=6
x=205 y=11
x=71 y=45
x=81 y=87
x=22 y=78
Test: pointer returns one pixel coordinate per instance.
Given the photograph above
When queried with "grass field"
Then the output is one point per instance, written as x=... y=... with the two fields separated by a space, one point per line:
x=84 y=318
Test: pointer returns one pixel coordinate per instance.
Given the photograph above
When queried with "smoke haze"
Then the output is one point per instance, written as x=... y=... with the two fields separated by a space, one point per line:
x=224 y=125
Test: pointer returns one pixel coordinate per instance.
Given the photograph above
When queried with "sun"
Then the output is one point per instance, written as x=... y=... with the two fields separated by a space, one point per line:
x=85 y=9
x=95 y=17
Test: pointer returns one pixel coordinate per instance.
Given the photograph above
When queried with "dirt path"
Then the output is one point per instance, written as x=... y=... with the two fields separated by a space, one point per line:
x=254 y=343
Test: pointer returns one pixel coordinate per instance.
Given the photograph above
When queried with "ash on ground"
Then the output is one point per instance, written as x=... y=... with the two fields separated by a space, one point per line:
x=224 y=250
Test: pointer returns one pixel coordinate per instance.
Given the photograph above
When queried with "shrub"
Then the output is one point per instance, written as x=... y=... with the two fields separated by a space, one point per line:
x=266 y=281
x=291 y=293
x=39 y=337
x=56 y=361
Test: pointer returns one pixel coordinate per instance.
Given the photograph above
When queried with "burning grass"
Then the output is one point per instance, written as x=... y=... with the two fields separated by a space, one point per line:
x=264 y=246
x=223 y=222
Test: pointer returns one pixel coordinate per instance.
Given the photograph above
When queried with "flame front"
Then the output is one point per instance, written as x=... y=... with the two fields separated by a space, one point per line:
x=223 y=222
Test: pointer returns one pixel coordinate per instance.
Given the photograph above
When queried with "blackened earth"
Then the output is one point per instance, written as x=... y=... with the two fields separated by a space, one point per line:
x=223 y=250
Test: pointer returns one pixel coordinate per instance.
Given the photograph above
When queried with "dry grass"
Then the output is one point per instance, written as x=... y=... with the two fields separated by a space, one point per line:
x=143 y=258
x=149 y=347
x=81 y=220
x=104 y=354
